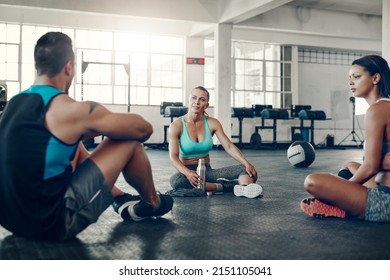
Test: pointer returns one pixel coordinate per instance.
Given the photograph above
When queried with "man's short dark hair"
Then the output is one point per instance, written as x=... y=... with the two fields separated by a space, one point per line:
x=52 y=51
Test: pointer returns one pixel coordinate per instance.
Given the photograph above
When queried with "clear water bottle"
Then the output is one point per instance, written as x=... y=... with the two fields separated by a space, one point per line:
x=201 y=170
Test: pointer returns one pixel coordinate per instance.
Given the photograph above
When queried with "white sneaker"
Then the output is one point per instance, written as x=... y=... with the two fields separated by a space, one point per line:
x=250 y=191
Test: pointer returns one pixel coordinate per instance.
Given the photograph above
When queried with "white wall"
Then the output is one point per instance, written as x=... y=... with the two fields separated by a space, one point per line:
x=325 y=87
x=194 y=73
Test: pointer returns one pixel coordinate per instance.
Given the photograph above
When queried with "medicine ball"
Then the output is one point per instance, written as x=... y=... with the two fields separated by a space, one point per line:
x=301 y=154
x=255 y=140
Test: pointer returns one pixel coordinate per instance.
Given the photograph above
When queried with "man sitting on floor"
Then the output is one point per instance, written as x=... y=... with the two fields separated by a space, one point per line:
x=50 y=186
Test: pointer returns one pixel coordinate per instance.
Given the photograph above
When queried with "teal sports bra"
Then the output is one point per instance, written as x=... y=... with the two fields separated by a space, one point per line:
x=192 y=149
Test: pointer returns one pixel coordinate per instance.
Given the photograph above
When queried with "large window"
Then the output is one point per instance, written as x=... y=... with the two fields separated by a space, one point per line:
x=154 y=64
x=323 y=56
x=9 y=56
x=261 y=73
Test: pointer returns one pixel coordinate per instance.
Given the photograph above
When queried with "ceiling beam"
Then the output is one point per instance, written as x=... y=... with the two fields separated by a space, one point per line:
x=236 y=11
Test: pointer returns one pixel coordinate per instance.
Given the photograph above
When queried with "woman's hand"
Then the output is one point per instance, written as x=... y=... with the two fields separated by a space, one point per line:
x=194 y=179
x=251 y=170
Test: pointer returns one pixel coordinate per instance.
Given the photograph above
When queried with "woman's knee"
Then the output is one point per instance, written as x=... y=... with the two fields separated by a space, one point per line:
x=311 y=182
x=178 y=181
x=318 y=184
x=351 y=166
x=173 y=181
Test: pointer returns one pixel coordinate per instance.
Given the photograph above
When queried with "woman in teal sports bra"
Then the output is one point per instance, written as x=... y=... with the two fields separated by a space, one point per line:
x=360 y=190
x=191 y=139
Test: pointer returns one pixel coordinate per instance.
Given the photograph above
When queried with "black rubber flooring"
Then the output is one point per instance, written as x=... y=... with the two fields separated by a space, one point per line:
x=224 y=227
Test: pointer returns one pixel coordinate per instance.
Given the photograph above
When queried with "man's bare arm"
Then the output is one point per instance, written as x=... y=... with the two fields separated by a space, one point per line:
x=100 y=121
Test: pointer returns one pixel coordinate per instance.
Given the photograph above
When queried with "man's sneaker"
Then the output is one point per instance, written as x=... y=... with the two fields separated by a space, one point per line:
x=227 y=184
x=317 y=209
x=250 y=191
x=143 y=210
x=122 y=202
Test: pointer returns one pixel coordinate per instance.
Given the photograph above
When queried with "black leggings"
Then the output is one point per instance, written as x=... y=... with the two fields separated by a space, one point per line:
x=345 y=173
x=179 y=180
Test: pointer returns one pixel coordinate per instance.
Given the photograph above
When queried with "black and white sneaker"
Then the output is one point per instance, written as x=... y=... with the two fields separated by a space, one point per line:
x=227 y=184
x=143 y=210
x=122 y=202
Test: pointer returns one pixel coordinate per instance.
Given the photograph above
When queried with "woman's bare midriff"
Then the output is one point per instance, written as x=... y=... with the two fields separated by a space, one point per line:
x=194 y=161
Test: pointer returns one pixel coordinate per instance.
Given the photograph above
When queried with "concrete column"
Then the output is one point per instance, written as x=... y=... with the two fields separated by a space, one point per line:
x=294 y=75
x=223 y=68
x=386 y=29
x=194 y=74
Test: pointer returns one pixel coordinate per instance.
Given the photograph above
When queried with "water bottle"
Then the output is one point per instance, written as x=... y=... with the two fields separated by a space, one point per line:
x=201 y=170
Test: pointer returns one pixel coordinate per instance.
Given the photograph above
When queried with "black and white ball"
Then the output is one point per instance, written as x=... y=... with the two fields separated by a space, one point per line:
x=301 y=154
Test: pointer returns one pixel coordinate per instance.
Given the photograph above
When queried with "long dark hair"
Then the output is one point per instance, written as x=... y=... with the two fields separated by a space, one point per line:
x=52 y=51
x=374 y=64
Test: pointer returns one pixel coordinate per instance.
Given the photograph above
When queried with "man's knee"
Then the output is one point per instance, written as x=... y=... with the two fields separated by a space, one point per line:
x=114 y=155
x=136 y=146
x=130 y=147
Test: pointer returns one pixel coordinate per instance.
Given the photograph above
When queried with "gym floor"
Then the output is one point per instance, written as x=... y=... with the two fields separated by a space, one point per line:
x=224 y=227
